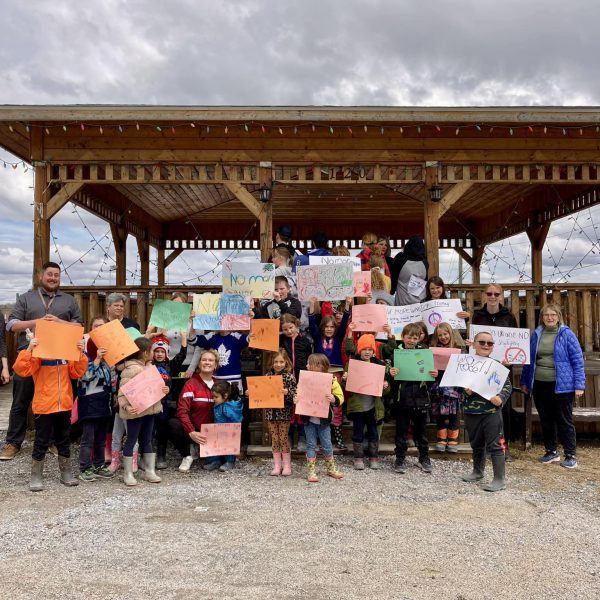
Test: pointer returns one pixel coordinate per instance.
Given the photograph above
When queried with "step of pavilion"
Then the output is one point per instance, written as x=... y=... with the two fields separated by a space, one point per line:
x=384 y=450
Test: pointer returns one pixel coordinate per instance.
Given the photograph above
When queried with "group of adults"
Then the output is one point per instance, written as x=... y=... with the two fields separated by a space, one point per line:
x=555 y=376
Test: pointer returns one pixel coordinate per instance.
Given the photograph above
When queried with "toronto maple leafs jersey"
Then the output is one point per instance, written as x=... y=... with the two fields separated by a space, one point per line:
x=229 y=348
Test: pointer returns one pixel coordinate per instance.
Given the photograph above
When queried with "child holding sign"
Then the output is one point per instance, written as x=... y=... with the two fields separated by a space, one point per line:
x=483 y=420
x=317 y=428
x=445 y=401
x=411 y=408
x=51 y=407
x=279 y=418
x=228 y=409
x=139 y=424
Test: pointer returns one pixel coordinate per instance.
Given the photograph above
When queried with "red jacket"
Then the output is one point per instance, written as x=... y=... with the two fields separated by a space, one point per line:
x=195 y=405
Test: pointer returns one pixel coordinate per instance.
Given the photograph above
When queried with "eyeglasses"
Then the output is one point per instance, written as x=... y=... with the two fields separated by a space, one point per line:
x=484 y=343
x=494 y=294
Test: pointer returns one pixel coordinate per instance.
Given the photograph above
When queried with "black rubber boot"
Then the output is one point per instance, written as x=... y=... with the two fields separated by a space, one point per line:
x=66 y=473
x=161 y=457
x=499 y=466
x=359 y=462
x=36 y=483
x=478 y=467
x=374 y=455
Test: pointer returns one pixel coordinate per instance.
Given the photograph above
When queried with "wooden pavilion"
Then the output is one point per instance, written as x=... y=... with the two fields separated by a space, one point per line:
x=179 y=178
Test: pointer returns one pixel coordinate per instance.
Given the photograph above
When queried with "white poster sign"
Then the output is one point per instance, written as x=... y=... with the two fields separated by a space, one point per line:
x=435 y=312
x=485 y=376
x=335 y=260
x=511 y=343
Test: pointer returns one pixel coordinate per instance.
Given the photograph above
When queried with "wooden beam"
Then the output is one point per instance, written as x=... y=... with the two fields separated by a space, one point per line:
x=266 y=216
x=119 y=235
x=41 y=223
x=537 y=236
x=473 y=260
x=169 y=259
x=451 y=197
x=245 y=197
x=160 y=267
x=144 y=254
x=66 y=192
x=431 y=218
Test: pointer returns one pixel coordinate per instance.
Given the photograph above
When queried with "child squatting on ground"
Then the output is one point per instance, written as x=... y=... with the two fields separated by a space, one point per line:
x=51 y=408
x=483 y=421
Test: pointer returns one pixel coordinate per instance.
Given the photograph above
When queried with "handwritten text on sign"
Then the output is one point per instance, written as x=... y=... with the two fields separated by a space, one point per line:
x=265 y=392
x=484 y=376
x=435 y=312
x=312 y=389
x=511 y=344
x=326 y=282
x=335 y=260
x=222 y=439
x=256 y=280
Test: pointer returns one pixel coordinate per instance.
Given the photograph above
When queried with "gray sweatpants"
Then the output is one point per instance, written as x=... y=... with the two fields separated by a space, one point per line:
x=486 y=432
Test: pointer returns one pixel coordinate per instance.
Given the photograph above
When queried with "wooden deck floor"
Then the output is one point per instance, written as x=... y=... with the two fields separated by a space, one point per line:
x=5 y=402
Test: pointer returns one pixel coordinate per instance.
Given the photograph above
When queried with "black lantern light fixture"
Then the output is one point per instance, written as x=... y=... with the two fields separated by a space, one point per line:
x=435 y=193
x=265 y=192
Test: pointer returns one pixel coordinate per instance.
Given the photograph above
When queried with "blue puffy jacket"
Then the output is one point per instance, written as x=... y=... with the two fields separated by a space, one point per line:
x=229 y=412
x=568 y=361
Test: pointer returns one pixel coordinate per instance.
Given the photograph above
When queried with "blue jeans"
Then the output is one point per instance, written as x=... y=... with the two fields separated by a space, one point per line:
x=321 y=432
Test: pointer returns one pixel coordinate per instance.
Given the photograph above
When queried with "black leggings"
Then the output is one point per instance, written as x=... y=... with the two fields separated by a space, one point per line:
x=93 y=439
x=139 y=430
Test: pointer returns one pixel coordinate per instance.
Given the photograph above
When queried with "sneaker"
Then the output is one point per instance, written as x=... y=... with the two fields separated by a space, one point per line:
x=104 y=472
x=9 y=452
x=549 y=457
x=211 y=466
x=226 y=466
x=88 y=475
x=425 y=465
x=400 y=466
x=186 y=464
x=570 y=462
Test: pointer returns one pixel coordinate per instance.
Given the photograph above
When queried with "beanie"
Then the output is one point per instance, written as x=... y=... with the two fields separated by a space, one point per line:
x=367 y=340
x=161 y=342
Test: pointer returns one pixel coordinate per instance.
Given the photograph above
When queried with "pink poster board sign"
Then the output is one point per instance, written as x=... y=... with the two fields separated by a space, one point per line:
x=222 y=439
x=313 y=386
x=365 y=377
x=144 y=389
x=441 y=356
x=369 y=317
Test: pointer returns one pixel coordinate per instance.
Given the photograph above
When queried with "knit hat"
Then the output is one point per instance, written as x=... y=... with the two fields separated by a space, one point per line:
x=382 y=295
x=161 y=342
x=367 y=340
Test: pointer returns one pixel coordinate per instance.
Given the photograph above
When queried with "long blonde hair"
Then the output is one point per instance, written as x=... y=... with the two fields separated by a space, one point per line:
x=456 y=340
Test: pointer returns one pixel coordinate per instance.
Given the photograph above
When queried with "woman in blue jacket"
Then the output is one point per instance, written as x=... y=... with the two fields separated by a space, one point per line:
x=555 y=377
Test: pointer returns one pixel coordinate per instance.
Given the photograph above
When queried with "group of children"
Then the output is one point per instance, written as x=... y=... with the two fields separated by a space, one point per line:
x=215 y=393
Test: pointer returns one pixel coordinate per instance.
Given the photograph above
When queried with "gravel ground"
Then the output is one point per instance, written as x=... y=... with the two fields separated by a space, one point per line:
x=248 y=535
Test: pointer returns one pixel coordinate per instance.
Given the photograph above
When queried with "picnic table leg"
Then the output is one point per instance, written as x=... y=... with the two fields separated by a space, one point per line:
x=528 y=434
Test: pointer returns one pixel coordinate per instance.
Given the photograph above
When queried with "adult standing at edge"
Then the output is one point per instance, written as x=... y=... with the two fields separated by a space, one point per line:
x=45 y=302
x=494 y=314
x=409 y=273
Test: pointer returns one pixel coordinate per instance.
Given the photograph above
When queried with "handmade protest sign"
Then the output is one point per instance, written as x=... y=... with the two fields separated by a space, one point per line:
x=170 y=315
x=485 y=376
x=145 y=389
x=256 y=280
x=362 y=283
x=222 y=439
x=206 y=311
x=133 y=333
x=325 y=282
x=435 y=312
x=400 y=316
x=369 y=317
x=234 y=312
x=264 y=334
x=365 y=377
x=335 y=260
x=114 y=337
x=313 y=386
x=441 y=356
x=415 y=286
x=511 y=344
x=413 y=365
x=265 y=392
x=57 y=340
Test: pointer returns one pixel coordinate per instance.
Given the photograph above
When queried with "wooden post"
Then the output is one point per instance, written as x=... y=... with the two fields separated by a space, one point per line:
x=160 y=267
x=41 y=224
x=119 y=235
x=144 y=254
x=473 y=260
x=431 y=216
x=537 y=236
x=266 y=217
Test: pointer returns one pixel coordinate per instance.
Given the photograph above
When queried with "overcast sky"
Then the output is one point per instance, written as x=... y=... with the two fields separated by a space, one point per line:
x=345 y=52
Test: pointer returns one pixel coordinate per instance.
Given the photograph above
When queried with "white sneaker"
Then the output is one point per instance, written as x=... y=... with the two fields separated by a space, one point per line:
x=186 y=464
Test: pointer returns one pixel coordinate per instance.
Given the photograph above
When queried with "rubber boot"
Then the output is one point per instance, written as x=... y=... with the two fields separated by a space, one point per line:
x=135 y=462
x=149 y=465
x=161 y=456
x=311 y=464
x=107 y=448
x=499 y=466
x=66 y=473
x=478 y=467
x=36 y=483
x=359 y=452
x=374 y=455
x=332 y=470
x=442 y=440
x=115 y=462
x=287 y=464
x=452 y=447
x=276 y=464
x=128 y=478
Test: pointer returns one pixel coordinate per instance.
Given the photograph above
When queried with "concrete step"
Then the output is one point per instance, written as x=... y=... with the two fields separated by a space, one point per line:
x=384 y=450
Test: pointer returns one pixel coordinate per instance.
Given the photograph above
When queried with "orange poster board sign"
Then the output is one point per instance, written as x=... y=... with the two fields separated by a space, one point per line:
x=114 y=337
x=313 y=386
x=365 y=377
x=264 y=334
x=57 y=340
x=222 y=439
x=265 y=392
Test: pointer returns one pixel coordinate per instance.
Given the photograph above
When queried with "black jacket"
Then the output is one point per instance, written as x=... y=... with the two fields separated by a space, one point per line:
x=503 y=318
